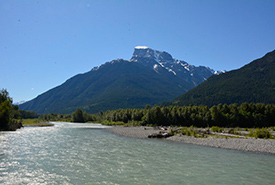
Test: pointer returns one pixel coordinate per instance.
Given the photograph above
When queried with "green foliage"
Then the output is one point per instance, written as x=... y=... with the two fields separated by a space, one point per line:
x=233 y=115
x=55 y=117
x=189 y=131
x=28 y=114
x=84 y=117
x=15 y=113
x=232 y=131
x=78 y=116
x=113 y=123
x=30 y=121
x=81 y=117
x=34 y=122
x=216 y=129
x=260 y=133
x=5 y=110
x=8 y=112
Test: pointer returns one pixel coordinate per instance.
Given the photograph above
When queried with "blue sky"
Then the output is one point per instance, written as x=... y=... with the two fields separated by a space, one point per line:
x=44 y=43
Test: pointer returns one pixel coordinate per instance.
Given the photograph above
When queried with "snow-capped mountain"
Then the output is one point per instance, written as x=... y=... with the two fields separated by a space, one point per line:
x=149 y=77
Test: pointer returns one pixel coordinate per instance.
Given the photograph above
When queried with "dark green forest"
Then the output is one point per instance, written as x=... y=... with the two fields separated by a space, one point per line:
x=246 y=115
x=8 y=112
x=253 y=83
x=223 y=115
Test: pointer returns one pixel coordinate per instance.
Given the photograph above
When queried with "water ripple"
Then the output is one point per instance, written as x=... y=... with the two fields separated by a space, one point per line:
x=82 y=154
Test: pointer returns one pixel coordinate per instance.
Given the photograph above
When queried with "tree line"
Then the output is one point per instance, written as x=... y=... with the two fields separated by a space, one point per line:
x=222 y=115
x=78 y=117
x=245 y=115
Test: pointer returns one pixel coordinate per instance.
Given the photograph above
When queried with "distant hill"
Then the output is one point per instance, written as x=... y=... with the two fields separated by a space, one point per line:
x=149 y=77
x=255 y=82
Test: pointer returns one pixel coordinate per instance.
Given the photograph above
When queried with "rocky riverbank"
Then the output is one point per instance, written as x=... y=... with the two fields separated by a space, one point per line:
x=243 y=144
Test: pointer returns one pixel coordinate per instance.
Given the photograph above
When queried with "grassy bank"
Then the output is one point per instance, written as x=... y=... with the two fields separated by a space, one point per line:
x=35 y=123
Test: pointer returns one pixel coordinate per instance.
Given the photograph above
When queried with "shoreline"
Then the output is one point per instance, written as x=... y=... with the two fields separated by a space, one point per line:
x=249 y=144
x=38 y=125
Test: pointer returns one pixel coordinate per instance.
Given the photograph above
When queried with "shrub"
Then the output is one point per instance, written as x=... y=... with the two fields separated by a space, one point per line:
x=78 y=116
x=189 y=131
x=112 y=123
x=232 y=131
x=260 y=133
x=216 y=129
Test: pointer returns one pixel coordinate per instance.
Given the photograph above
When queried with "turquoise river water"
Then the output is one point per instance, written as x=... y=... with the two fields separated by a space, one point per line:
x=70 y=153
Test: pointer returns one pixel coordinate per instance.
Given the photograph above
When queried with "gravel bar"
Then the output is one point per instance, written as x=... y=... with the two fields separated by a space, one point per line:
x=249 y=144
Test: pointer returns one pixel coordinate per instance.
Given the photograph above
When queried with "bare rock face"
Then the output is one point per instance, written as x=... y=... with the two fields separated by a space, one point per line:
x=162 y=62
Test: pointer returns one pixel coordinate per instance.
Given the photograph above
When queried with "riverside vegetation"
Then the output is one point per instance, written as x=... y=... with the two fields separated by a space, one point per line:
x=191 y=118
x=219 y=132
x=11 y=118
x=185 y=119
x=245 y=115
x=248 y=119
x=8 y=112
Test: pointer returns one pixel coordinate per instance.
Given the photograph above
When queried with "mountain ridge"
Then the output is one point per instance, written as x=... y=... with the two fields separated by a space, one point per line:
x=253 y=83
x=147 y=78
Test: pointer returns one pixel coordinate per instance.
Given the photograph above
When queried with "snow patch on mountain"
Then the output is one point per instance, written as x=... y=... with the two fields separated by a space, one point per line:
x=219 y=72
x=170 y=70
x=141 y=47
x=96 y=68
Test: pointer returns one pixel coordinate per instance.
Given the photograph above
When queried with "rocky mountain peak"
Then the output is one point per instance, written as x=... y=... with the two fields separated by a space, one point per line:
x=148 y=53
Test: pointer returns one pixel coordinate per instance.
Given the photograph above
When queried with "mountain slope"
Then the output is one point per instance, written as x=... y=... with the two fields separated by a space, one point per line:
x=255 y=82
x=145 y=79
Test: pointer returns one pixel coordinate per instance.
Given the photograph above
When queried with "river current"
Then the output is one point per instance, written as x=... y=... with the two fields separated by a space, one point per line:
x=71 y=153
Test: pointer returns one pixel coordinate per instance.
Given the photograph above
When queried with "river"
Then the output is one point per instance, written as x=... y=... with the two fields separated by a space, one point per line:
x=71 y=153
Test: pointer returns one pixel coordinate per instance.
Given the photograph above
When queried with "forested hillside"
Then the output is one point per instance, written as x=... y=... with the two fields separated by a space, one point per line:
x=117 y=84
x=255 y=82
